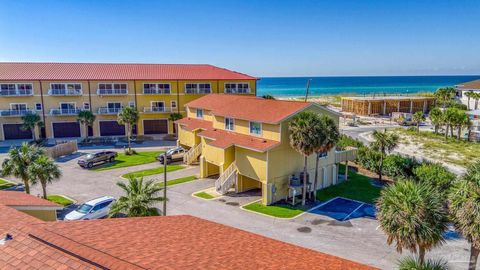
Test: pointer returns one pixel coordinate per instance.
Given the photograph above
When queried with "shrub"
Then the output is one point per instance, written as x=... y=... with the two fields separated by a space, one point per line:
x=435 y=175
x=369 y=158
x=410 y=263
x=398 y=166
x=130 y=152
x=344 y=141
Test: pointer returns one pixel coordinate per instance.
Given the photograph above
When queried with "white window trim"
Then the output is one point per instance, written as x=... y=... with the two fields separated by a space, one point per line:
x=114 y=102
x=173 y=102
x=236 y=87
x=11 y=107
x=250 y=128
x=157 y=89
x=197 y=88
x=202 y=113
x=155 y=101
x=86 y=107
x=17 y=89
x=74 y=104
x=41 y=107
x=112 y=84
x=233 y=123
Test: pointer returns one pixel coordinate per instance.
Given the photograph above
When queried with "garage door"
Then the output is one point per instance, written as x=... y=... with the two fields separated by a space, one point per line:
x=111 y=128
x=66 y=130
x=155 y=126
x=14 y=132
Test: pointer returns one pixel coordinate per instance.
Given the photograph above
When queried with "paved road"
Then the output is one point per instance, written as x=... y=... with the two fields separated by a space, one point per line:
x=357 y=239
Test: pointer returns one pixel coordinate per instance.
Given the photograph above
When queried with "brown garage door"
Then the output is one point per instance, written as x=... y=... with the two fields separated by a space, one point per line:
x=155 y=126
x=66 y=130
x=15 y=132
x=111 y=128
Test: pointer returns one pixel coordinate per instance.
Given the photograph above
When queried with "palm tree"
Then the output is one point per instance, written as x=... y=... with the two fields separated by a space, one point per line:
x=384 y=143
x=449 y=118
x=268 y=96
x=86 y=118
x=436 y=117
x=128 y=116
x=476 y=97
x=413 y=216
x=465 y=209
x=410 y=263
x=304 y=130
x=417 y=118
x=18 y=162
x=462 y=121
x=45 y=171
x=30 y=122
x=174 y=117
x=328 y=136
x=444 y=95
x=139 y=199
x=469 y=95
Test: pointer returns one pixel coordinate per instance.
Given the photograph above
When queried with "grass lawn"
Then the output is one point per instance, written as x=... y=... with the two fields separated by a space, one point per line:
x=59 y=199
x=357 y=187
x=435 y=146
x=204 y=195
x=279 y=211
x=5 y=184
x=158 y=170
x=179 y=181
x=126 y=161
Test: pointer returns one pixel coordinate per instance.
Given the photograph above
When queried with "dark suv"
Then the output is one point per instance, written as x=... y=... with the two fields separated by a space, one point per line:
x=91 y=159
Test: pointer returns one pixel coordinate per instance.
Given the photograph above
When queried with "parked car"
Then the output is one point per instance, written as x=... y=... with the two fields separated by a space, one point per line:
x=174 y=154
x=94 y=209
x=92 y=159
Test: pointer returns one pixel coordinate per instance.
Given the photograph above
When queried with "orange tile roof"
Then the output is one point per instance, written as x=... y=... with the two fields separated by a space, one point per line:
x=11 y=218
x=110 y=71
x=17 y=198
x=469 y=85
x=224 y=139
x=249 y=107
x=192 y=124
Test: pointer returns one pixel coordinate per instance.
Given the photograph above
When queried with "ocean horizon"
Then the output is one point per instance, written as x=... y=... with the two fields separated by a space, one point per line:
x=357 y=85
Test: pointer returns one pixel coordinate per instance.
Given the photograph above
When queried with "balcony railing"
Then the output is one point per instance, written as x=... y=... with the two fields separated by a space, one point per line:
x=157 y=109
x=346 y=155
x=237 y=91
x=16 y=93
x=111 y=92
x=106 y=110
x=156 y=91
x=60 y=111
x=16 y=112
x=64 y=92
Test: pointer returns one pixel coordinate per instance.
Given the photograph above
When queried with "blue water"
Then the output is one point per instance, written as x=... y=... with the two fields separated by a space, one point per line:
x=295 y=86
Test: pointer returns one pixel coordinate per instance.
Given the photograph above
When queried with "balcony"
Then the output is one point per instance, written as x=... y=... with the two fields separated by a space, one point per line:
x=112 y=92
x=16 y=93
x=64 y=92
x=237 y=91
x=157 y=109
x=13 y=113
x=156 y=91
x=60 y=111
x=106 y=110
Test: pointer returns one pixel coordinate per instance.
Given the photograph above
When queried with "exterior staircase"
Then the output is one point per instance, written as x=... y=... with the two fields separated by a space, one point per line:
x=227 y=179
x=192 y=154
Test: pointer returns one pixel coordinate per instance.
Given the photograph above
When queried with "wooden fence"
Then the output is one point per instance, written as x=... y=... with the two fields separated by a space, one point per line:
x=62 y=149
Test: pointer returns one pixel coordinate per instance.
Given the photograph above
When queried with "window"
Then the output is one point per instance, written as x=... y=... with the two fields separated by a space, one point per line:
x=229 y=123
x=131 y=104
x=323 y=155
x=199 y=113
x=197 y=88
x=173 y=104
x=156 y=88
x=65 y=89
x=237 y=88
x=18 y=106
x=19 y=89
x=158 y=106
x=86 y=106
x=38 y=106
x=256 y=128
x=112 y=88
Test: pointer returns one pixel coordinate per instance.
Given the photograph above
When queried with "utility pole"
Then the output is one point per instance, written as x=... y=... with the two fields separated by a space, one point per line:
x=165 y=183
x=308 y=87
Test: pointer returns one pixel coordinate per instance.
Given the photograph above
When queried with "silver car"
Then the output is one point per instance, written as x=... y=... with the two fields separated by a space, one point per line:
x=93 y=209
x=174 y=154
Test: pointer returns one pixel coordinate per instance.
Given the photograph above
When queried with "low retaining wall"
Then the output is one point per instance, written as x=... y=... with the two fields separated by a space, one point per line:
x=62 y=149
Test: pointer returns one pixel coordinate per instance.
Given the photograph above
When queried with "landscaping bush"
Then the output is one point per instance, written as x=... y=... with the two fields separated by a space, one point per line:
x=130 y=152
x=435 y=175
x=344 y=141
x=410 y=263
x=398 y=166
x=369 y=158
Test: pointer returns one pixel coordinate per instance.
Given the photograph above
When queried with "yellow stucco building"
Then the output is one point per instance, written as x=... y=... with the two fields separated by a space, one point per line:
x=59 y=91
x=245 y=140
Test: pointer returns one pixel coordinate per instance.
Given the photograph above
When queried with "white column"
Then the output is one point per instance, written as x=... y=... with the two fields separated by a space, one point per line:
x=325 y=177
x=334 y=174
x=411 y=106
x=384 y=107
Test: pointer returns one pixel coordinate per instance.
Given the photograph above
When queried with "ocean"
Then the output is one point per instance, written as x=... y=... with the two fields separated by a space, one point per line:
x=295 y=86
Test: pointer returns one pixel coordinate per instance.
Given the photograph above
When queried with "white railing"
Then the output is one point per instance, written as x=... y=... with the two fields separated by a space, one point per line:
x=227 y=179
x=157 y=109
x=16 y=112
x=16 y=93
x=60 y=111
x=156 y=91
x=111 y=92
x=346 y=155
x=237 y=91
x=192 y=154
x=106 y=110
x=64 y=92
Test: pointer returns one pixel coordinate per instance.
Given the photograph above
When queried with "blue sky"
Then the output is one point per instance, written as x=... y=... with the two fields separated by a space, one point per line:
x=262 y=38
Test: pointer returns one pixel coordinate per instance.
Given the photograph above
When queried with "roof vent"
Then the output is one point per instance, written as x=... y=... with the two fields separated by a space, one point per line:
x=7 y=237
x=264 y=141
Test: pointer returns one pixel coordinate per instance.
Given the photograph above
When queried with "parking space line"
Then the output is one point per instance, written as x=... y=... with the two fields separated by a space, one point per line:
x=353 y=212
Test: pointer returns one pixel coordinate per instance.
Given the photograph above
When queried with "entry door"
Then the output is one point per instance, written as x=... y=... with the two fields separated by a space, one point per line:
x=114 y=106
x=67 y=107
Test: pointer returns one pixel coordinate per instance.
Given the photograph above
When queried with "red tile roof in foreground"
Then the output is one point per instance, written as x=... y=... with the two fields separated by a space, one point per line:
x=192 y=124
x=106 y=71
x=17 y=198
x=249 y=107
x=470 y=85
x=224 y=139
x=10 y=218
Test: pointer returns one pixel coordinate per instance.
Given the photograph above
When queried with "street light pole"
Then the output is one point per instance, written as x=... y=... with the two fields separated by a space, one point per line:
x=165 y=184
